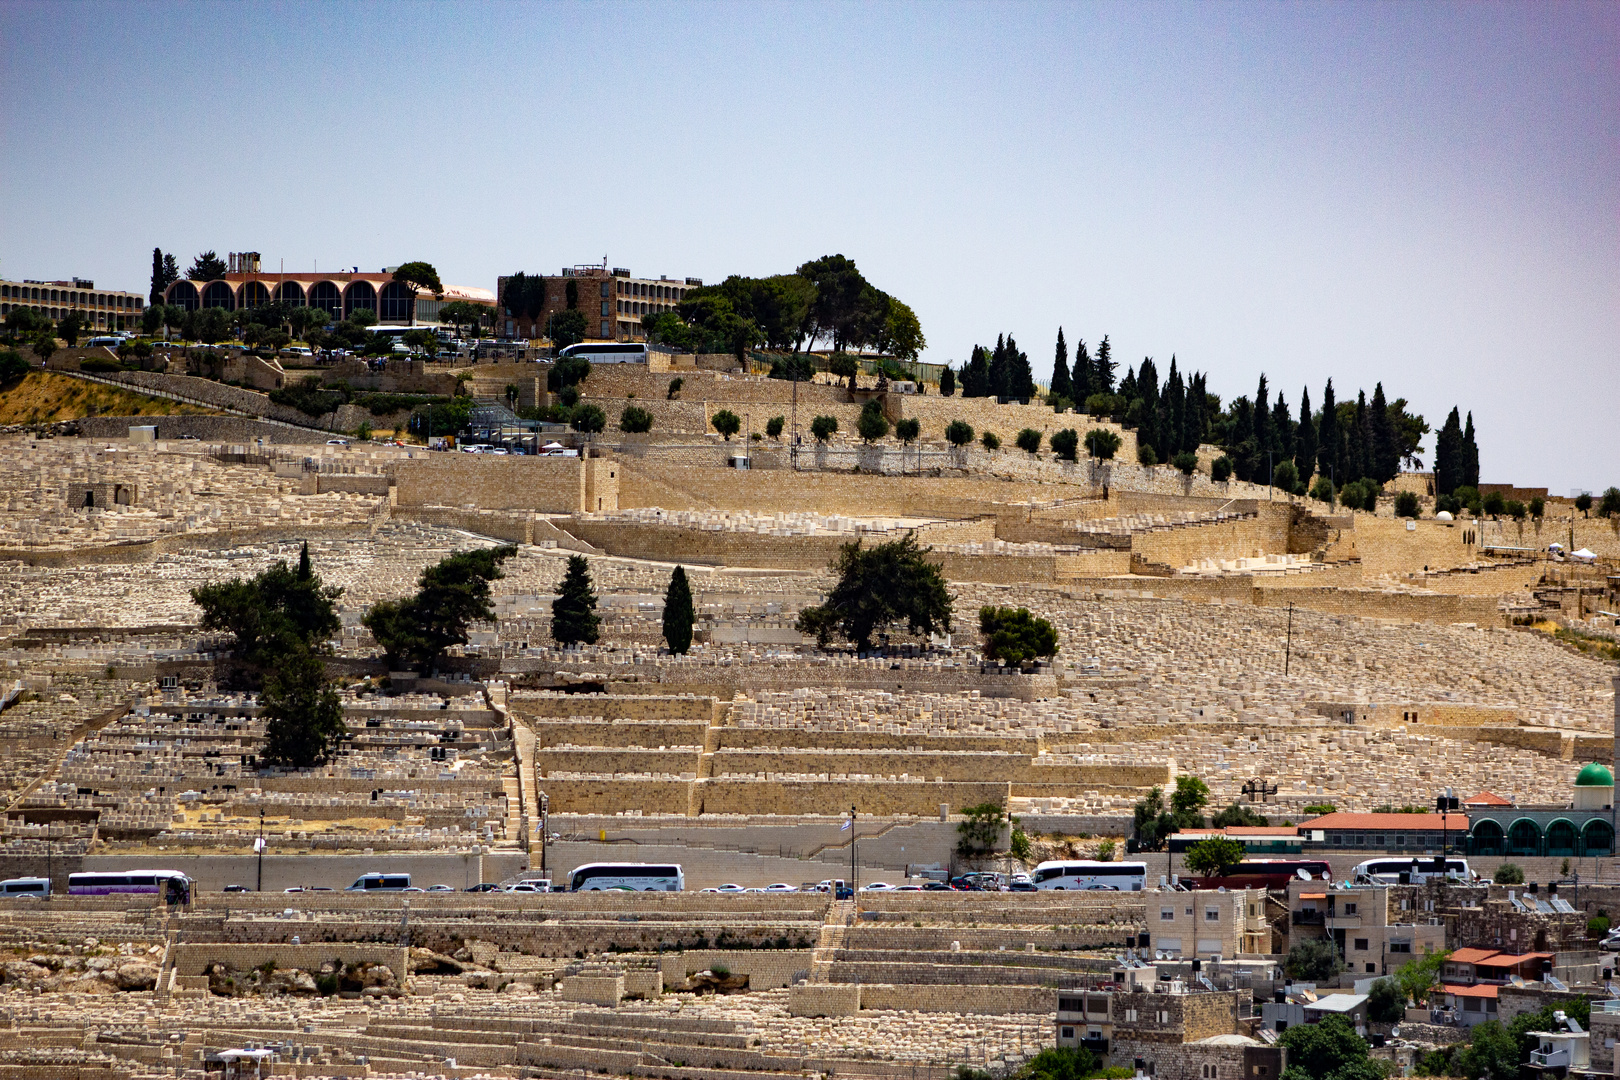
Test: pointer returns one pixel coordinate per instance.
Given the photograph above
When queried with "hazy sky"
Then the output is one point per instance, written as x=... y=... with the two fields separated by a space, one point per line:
x=1421 y=194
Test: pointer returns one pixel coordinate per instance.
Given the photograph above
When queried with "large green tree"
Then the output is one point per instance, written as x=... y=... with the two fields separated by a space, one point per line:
x=1062 y=382
x=838 y=288
x=1328 y=1050
x=573 y=614
x=451 y=594
x=273 y=613
x=568 y=327
x=164 y=274
x=418 y=277
x=1215 y=856
x=303 y=717
x=679 y=614
x=207 y=266
x=878 y=587
x=1016 y=636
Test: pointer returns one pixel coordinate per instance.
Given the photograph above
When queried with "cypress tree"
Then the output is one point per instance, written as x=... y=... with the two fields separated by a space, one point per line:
x=1282 y=430
x=1355 y=465
x=1448 y=455
x=1327 y=438
x=975 y=378
x=1197 y=415
x=158 y=284
x=1147 y=389
x=1174 y=419
x=1082 y=380
x=1384 y=448
x=1262 y=419
x=1020 y=377
x=947 y=382
x=678 y=613
x=573 y=613
x=1061 y=383
x=1102 y=369
x=1305 y=438
x=998 y=368
x=1470 y=462
x=305 y=570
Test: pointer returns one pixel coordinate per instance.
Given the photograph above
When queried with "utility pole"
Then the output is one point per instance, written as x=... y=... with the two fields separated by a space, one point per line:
x=545 y=829
x=852 y=881
x=793 y=437
x=258 y=846
x=1288 y=647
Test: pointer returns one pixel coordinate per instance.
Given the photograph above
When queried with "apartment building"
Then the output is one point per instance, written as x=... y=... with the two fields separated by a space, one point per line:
x=1208 y=923
x=1372 y=936
x=614 y=301
x=103 y=309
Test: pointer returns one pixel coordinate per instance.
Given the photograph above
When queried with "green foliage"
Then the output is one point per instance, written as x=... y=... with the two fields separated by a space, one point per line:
x=1328 y=1050
x=1610 y=506
x=824 y=427
x=1060 y=1063
x=450 y=595
x=1186 y=461
x=309 y=398
x=1515 y=509
x=635 y=419
x=567 y=371
x=1239 y=816
x=1318 y=809
x=774 y=426
x=278 y=611
x=1538 y=507
x=1028 y=440
x=1151 y=822
x=1102 y=443
x=1284 y=476
x=978 y=833
x=589 y=419
x=44 y=345
x=844 y=366
x=423 y=341
x=1322 y=490
x=1406 y=505
x=70 y=327
x=573 y=613
x=1494 y=504
x=303 y=717
x=207 y=266
x=947 y=382
x=1060 y=403
x=1105 y=851
x=1360 y=495
x=1597 y=926
x=1191 y=796
x=990 y=441
x=440 y=416
x=1314 y=960
x=1016 y=637
x=872 y=425
x=794 y=367
x=1509 y=874
x=877 y=587
x=679 y=614
x=1066 y=444
x=958 y=433
x=1418 y=975
x=1215 y=856
x=1583 y=503
x=97 y=365
x=567 y=327
x=1146 y=455
x=1385 y=1002
x=1019 y=846
x=908 y=430
x=727 y=423
x=675 y=385
x=12 y=365
x=462 y=314
x=1220 y=470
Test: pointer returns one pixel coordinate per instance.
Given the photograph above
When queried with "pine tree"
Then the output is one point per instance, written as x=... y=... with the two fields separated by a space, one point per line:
x=573 y=613
x=998 y=368
x=1384 y=445
x=1449 y=452
x=678 y=613
x=1355 y=465
x=1262 y=419
x=1081 y=379
x=1470 y=470
x=1173 y=419
x=1062 y=385
x=1282 y=430
x=1102 y=369
x=1327 y=438
x=305 y=570
x=1147 y=389
x=1305 y=438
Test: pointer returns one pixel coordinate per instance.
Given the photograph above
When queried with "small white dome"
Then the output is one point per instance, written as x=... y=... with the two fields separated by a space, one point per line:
x=1444 y=515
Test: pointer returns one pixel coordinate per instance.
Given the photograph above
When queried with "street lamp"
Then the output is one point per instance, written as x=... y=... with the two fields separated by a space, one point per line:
x=258 y=846
x=1446 y=803
x=545 y=829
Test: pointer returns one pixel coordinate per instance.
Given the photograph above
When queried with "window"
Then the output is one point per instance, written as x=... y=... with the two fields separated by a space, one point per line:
x=1361 y=944
x=604 y=288
x=1189 y=910
x=1350 y=909
x=1210 y=1072
x=1337 y=840
x=1212 y=914
x=1130 y=1016
x=604 y=307
x=1164 y=1016
x=1167 y=914
x=1372 y=969
x=1400 y=946
x=1067 y=1033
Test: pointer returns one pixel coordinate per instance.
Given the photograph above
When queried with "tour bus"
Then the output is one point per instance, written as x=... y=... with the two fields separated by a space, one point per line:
x=175 y=886
x=1418 y=870
x=609 y=352
x=380 y=883
x=1089 y=874
x=634 y=876
x=1262 y=874
x=13 y=888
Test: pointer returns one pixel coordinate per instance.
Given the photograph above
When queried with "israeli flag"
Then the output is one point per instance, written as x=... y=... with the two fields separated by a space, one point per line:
x=844 y=826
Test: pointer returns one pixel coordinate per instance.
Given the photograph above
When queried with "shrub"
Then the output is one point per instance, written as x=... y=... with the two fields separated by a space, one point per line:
x=1538 y=507
x=1102 y=404
x=1469 y=497
x=1016 y=637
x=1220 y=470
x=773 y=427
x=12 y=365
x=1102 y=443
x=102 y=366
x=1028 y=440
x=589 y=418
x=1066 y=444
x=824 y=427
x=1406 y=505
x=1449 y=503
x=1284 y=476
x=1146 y=455
x=989 y=441
x=1314 y=960
x=635 y=419
x=567 y=371
x=1186 y=461
x=1493 y=504
x=958 y=432
x=726 y=422
x=794 y=367
x=1509 y=874
x=1318 y=809
x=1597 y=926
x=1059 y=403
x=947 y=383
x=675 y=385
x=872 y=425
x=1515 y=509
x=1105 y=851
x=907 y=430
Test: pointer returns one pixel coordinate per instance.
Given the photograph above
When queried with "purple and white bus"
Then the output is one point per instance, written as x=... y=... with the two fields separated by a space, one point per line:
x=174 y=886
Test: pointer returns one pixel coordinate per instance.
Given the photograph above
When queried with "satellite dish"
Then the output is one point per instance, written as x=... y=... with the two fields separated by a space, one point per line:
x=1327 y=875
x=1304 y=874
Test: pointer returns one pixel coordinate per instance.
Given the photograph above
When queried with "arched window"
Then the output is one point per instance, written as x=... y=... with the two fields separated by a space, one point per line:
x=1599 y=837
x=183 y=294
x=396 y=303
x=290 y=292
x=1487 y=837
x=1524 y=838
x=218 y=294
x=1561 y=837
x=360 y=294
x=325 y=295
x=254 y=294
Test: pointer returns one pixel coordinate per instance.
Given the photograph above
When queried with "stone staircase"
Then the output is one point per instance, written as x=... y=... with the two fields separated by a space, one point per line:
x=840 y=913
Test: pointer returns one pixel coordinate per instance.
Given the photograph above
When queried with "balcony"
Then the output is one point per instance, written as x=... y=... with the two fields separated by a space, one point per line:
x=1549 y=1059
x=1343 y=922
x=1309 y=918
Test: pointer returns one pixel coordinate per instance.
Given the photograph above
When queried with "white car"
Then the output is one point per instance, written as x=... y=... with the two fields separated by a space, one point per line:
x=908 y=888
x=440 y=888
x=781 y=886
x=337 y=442
x=877 y=886
x=729 y=888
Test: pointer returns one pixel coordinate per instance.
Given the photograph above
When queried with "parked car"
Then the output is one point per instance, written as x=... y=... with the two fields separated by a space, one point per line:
x=781 y=886
x=877 y=886
x=440 y=888
x=236 y=888
x=484 y=886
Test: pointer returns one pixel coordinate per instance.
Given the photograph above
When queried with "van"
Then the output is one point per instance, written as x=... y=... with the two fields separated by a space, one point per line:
x=380 y=883
x=295 y=350
x=104 y=342
x=25 y=886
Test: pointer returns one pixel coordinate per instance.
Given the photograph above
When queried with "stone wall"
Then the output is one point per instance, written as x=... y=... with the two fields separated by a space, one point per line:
x=838 y=999
x=547 y=484
x=767 y=969
x=224 y=429
x=194 y=959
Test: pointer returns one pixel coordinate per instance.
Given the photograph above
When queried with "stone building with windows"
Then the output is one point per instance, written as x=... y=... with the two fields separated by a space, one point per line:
x=1373 y=935
x=1580 y=828
x=614 y=302
x=102 y=309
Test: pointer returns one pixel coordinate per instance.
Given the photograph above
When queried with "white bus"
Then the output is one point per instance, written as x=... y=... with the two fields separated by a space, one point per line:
x=1090 y=874
x=1420 y=870
x=172 y=884
x=632 y=876
x=609 y=352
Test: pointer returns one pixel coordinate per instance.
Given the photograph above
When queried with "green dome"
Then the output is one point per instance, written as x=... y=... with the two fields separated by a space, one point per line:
x=1594 y=775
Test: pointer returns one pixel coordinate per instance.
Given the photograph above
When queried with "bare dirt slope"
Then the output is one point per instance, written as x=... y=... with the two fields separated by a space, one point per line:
x=45 y=396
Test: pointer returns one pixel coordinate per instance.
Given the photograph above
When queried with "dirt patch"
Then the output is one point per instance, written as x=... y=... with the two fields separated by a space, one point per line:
x=42 y=397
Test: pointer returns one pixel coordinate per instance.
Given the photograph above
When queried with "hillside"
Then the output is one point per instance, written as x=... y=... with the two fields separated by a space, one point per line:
x=45 y=396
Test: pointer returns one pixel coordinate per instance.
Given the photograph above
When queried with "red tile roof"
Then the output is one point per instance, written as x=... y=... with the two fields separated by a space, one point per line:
x=1487 y=798
x=1470 y=956
x=1484 y=990
x=1510 y=960
x=1392 y=822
